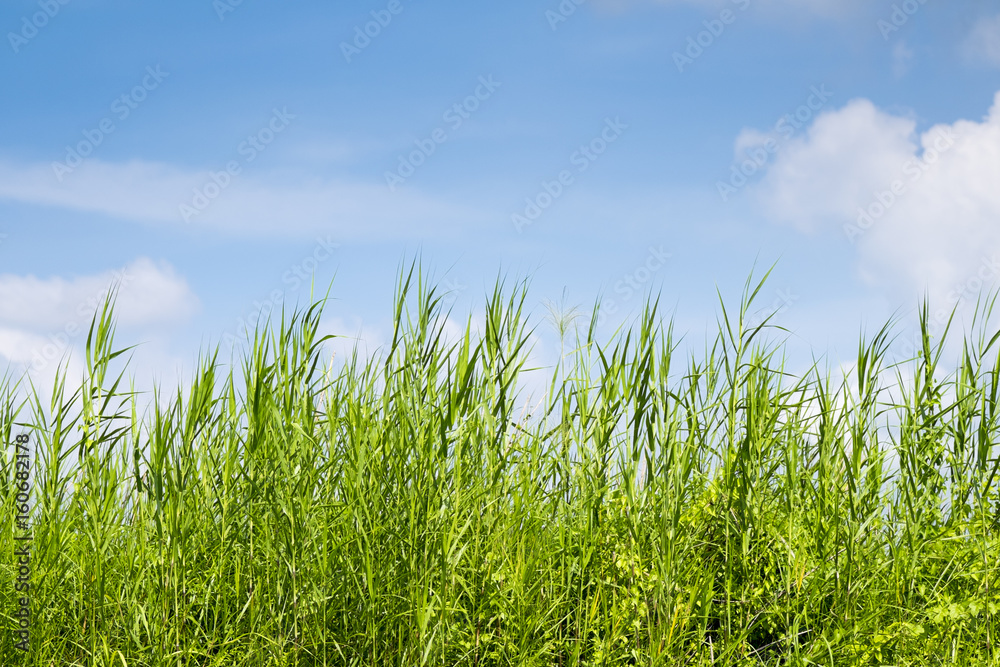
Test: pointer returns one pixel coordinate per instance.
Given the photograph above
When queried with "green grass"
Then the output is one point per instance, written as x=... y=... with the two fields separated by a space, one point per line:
x=414 y=509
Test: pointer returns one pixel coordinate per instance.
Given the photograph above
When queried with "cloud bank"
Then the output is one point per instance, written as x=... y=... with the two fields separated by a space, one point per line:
x=922 y=209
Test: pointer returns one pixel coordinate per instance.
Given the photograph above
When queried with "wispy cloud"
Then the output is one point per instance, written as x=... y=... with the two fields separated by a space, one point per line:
x=148 y=293
x=902 y=59
x=983 y=43
x=274 y=203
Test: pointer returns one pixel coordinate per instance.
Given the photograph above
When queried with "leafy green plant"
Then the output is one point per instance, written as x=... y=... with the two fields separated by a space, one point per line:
x=410 y=508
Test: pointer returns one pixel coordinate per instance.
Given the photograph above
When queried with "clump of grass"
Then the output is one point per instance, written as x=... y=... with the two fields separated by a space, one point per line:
x=403 y=510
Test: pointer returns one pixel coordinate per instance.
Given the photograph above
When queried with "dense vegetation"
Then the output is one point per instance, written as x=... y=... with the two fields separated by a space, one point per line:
x=413 y=509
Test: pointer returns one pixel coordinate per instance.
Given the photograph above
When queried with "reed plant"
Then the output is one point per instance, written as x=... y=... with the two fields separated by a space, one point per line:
x=415 y=508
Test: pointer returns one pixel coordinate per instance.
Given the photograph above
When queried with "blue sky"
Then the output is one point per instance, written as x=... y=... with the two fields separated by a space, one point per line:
x=217 y=151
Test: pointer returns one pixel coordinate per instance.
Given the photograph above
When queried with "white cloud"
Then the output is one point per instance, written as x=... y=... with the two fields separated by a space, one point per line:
x=923 y=210
x=274 y=203
x=748 y=139
x=822 y=177
x=44 y=323
x=983 y=43
x=149 y=293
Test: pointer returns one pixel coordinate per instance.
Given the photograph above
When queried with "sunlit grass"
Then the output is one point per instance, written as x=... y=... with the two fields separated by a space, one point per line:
x=406 y=510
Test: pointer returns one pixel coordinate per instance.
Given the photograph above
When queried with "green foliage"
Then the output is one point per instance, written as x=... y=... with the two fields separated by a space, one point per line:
x=414 y=508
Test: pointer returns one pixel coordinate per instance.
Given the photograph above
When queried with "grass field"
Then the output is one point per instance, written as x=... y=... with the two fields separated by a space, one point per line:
x=414 y=509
